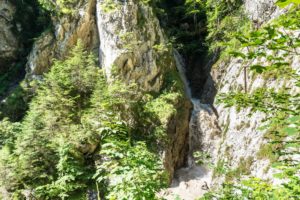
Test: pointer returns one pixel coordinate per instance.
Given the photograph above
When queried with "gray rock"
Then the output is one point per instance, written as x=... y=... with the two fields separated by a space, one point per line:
x=68 y=29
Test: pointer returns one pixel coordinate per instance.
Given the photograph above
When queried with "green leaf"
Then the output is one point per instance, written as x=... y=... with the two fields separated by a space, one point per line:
x=237 y=54
x=280 y=176
x=271 y=32
x=258 y=68
x=291 y=131
x=294 y=119
x=284 y=3
x=293 y=145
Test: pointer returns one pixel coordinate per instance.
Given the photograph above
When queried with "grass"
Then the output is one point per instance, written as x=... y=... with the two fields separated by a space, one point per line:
x=266 y=152
x=242 y=169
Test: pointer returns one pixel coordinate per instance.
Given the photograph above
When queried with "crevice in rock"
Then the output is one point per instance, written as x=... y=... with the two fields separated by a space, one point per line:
x=27 y=20
x=194 y=64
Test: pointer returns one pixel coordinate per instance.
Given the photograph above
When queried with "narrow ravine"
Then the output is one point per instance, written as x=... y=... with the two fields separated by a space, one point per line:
x=194 y=180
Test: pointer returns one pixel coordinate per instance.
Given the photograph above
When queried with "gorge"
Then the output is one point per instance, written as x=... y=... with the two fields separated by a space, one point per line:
x=149 y=99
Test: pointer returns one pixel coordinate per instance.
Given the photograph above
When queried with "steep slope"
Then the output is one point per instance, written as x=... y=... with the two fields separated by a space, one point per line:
x=133 y=47
x=117 y=113
x=17 y=36
x=135 y=56
x=242 y=137
x=56 y=42
x=131 y=42
x=227 y=138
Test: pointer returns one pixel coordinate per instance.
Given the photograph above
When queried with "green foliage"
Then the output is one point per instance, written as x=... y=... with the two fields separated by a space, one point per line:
x=202 y=158
x=109 y=6
x=194 y=7
x=133 y=172
x=184 y=22
x=284 y=3
x=39 y=156
x=29 y=11
x=255 y=188
x=15 y=105
x=59 y=7
x=160 y=48
x=267 y=151
x=262 y=99
x=220 y=169
x=224 y=18
x=78 y=126
x=9 y=132
x=272 y=46
x=9 y=178
x=13 y=94
x=163 y=107
x=129 y=40
x=71 y=169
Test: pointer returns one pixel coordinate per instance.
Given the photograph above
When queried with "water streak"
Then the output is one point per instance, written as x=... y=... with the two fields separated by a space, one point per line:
x=181 y=69
x=124 y=11
x=197 y=106
x=192 y=181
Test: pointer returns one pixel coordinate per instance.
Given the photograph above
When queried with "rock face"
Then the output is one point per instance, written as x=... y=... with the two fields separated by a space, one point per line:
x=194 y=180
x=130 y=36
x=133 y=47
x=241 y=138
x=228 y=137
x=68 y=29
x=9 y=44
x=260 y=10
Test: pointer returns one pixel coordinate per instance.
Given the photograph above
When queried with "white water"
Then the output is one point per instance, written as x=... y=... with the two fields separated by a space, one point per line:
x=181 y=69
x=193 y=181
x=124 y=11
x=180 y=64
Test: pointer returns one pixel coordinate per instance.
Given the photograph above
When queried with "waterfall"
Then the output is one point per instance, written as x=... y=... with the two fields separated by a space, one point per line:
x=197 y=106
x=124 y=11
x=194 y=180
x=181 y=69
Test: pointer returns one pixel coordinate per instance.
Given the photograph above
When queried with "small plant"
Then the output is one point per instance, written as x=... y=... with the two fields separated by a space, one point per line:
x=59 y=7
x=202 y=158
x=160 y=48
x=266 y=151
x=109 y=6
x=129 y=40
x=220 y=169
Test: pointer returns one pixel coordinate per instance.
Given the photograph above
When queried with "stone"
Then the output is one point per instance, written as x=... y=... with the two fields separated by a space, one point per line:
x=68 y=29
x=127 y=37
x=127 y=45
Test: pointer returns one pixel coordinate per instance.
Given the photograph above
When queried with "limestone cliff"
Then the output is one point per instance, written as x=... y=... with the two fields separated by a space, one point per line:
x=241 y=139
x=230 y=138
x=130 y=44
x=56 y=43
x=133 y=47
